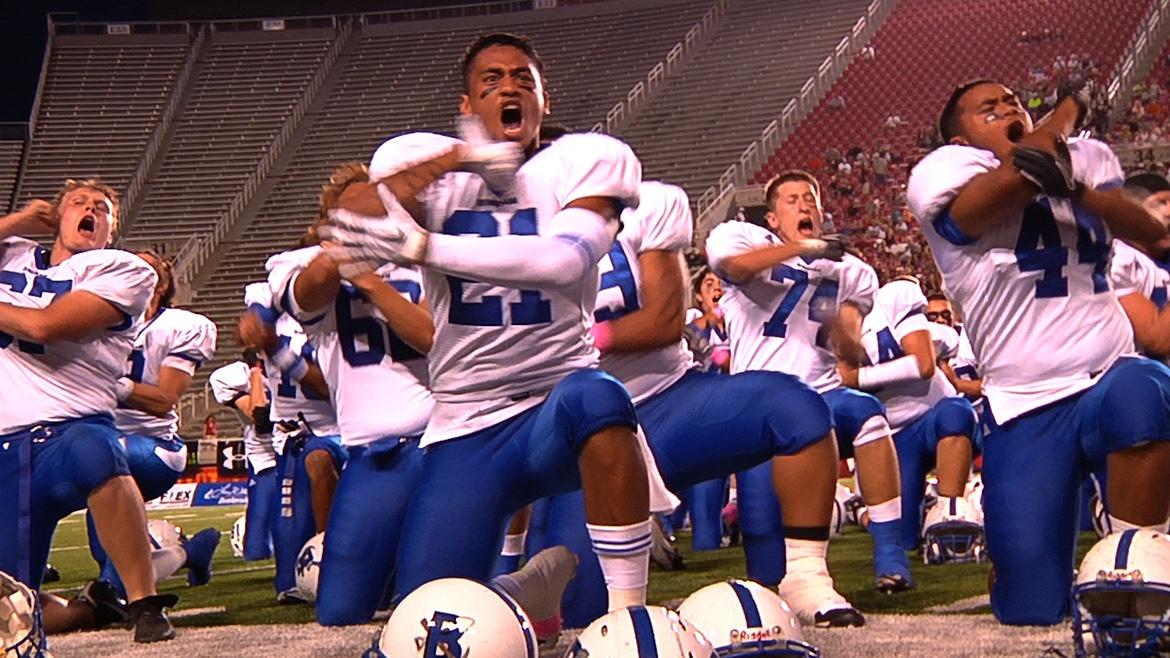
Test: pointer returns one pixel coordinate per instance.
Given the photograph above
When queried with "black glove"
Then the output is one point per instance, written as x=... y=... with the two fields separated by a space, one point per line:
x=1052 y=174
x=262 y=419
x=834 y=246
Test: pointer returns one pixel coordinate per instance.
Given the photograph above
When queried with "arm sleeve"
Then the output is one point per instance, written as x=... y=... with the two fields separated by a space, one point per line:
x=859 y=283
x=405 y=151
x=731 y=239
x=575 y=240
x=663 y=218
x=938 y=179
x=1095 y=165
x=1124 y=272
x=194 y=345
x=946 y=340
x=119 y=277
x=283 y=270
x=906 y=305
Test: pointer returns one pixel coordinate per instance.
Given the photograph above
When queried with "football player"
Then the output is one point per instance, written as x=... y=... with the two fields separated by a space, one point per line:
x=1020 y=223
x=961 y=368
x=241 y=386
x=68 y=317
x=701 y=425
x=932 y=423
x=510 y=268
x=171 y=345
x=305 y=432
x=782 y=306
x=1139 y=282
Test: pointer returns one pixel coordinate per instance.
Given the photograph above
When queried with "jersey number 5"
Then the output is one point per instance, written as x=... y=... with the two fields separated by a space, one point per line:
x=489 y=311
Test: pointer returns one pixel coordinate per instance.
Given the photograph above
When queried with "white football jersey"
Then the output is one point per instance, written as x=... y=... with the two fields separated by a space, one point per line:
x=289 y=398
x=898 y=311
x=378 y=382
x=1134 y=272
x=498 y=351
x=662 y=221
x=775 y=319
x=173 y=338
x=1036 y=285
x=67 y=379
x=964 y=363
x=228 y=384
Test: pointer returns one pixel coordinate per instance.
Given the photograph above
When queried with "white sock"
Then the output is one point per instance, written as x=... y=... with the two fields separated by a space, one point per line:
x=624 y=554
x=806 y=555
x=514 y=544
x=1117 y=525
x=891 y=510
x=166 y=561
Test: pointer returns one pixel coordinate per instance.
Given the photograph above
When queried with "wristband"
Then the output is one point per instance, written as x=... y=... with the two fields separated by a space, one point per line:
x=289 y=363
x=720 y=355
x=899 y=370
x=602 y=333
x=123 y=388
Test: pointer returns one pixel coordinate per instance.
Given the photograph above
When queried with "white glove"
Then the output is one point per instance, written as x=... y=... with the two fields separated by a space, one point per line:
x=362 y=240
x=827 y=246
x=495 y=162
x=349 y=266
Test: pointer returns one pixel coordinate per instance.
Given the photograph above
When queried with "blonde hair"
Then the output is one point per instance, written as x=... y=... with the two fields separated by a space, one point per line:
x=95 y=184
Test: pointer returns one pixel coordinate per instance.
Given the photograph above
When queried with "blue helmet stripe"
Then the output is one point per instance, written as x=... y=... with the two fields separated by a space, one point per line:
x=751 y=612
x=1122 y=558
x=643 y=632
x=529 y=638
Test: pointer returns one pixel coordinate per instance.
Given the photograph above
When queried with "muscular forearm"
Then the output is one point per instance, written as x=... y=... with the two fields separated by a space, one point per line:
x=410 y=322
x=644 y=329
x=1125 y=219
x=988 y=198
x=63 y=320
x=151 y=399
x=741 y=267
x=314 y=380
x=317 y=285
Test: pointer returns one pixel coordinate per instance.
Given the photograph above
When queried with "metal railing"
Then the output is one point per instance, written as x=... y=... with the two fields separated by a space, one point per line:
x=1143 y=47
x=154 y=146
x=200 y=249
x=777 y=130
x=640 y=92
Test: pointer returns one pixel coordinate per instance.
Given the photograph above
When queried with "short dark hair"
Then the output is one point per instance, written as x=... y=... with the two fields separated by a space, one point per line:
x=166 y=279
x=937 y=296
x=787 y=176
x=485 y=41
x=948 y=121
x=1146 y=183
x=697 y=279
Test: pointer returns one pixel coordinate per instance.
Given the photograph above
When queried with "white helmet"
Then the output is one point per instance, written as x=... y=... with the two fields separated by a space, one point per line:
x=841 y=501
x=745 y=619
x=309 y=566
x=455 y=617
x=974 y=492
x=1121 y=599
x=952 y=532
x=20 y=620
x=641 y=632
x=237 y=539
x=164 y=534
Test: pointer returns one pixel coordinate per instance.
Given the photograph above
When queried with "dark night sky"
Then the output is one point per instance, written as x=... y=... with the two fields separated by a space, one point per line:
x=23 y=34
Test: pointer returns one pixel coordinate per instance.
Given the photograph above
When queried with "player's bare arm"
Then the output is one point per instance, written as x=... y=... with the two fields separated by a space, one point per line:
x=411 y=322
x=742 y=267
x=159 y=399
x=659 y=320
x=35 y=218
x=1151 y=327
x=257 y=334
x=971 y=388
x=1125 y=218
x=73 y=316
x=316 y=286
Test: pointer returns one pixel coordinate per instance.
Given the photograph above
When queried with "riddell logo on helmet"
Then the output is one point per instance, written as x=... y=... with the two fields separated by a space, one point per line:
x=1134 y=576
x=754 y=634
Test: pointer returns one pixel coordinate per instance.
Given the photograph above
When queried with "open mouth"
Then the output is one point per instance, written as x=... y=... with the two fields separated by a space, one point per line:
x=805 y=227
x=512 y=119
x=1015 y=131
x=716 y=297
x=87 y=225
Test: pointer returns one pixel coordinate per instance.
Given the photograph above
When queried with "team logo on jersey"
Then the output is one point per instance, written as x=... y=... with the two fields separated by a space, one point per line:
x=444 y=632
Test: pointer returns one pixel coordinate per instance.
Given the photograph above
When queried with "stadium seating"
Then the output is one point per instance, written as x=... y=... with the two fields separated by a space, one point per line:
x=100 y=102
x=10 y=153
x=756 y=61
x=926 y=47
x=406 y=77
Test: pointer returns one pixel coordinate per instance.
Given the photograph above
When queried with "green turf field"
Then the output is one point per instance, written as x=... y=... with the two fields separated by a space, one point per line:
x=244 y=589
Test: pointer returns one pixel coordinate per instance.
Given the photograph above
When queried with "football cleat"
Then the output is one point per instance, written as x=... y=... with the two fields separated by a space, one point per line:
x=149 y=619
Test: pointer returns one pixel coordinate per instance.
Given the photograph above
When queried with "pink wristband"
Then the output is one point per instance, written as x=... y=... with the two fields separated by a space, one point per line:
x=602 y=333
x=720 y=355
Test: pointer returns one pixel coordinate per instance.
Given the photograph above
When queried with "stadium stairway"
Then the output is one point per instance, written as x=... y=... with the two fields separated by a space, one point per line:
x=926 y=47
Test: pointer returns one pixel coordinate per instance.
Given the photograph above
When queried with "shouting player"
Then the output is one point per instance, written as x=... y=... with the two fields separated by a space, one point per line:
x=68 y=317
x=510 y=268
x=1021 y=224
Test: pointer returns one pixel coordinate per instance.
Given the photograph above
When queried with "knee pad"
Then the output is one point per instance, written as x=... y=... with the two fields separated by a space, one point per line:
x=588 y=401
x=955 y=417
x=873 y=429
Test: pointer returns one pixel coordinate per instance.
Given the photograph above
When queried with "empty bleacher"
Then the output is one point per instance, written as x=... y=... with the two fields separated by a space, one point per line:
x=100 y=102
x=756 y=61
x=10 y=153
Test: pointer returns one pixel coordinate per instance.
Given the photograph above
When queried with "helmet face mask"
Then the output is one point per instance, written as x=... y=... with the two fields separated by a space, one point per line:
x=954 y=534
x=1121 y=599
x=20 y=620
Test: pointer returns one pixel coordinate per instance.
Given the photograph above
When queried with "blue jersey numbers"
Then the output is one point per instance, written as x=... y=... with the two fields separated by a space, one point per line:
x=529 y=309
x=618 y=293
x=1039 y=248
x=19 y=283
x=365 y=339
x=822 y=304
